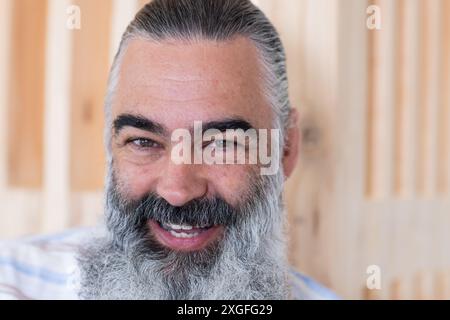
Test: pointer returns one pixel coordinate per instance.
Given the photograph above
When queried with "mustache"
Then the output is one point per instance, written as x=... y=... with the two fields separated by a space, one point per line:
x=197 y=212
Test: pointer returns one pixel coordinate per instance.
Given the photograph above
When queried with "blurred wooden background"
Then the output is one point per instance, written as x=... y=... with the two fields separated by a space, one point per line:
x=373 y=184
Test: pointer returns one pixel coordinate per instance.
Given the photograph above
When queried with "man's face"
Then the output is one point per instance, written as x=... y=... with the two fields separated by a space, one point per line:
x=167 y=86
x=187 y=231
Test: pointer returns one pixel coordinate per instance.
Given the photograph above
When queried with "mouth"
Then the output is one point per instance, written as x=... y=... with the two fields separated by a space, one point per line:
x=184 y=237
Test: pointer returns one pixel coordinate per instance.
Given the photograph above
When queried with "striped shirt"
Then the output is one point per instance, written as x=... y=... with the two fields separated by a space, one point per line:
x=45 y=268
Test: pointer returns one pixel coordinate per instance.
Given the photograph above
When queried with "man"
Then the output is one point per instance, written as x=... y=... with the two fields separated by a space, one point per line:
x=194 y=229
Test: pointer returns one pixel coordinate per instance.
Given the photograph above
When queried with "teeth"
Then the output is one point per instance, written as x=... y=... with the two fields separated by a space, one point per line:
x=177 y=227
x=183 y=235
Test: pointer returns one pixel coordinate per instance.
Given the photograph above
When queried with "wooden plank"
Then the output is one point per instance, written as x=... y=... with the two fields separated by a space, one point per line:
x=90 y=68
x=301 y=239
x=56 y=206
x=290 y=16
x=400 y=107
x=429 y=64
x=123 y=12
x=389 y=244
x=404 y=250
x=313 y=200
x=372 y=62
x=424 y=285
x=5 y=52
x=381 y=101
x=405 y=284
x=88 y=207
x=440 y=231
x=396 y=289
x=373 y=253
x=347 y=128
x=435 y=69
x=22 y=214
x=441 y=285
x=443 y=186
x=26 y=107
x=409 y=98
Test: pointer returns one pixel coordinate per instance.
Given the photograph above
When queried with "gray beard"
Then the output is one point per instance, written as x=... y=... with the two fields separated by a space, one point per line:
x=248 y=263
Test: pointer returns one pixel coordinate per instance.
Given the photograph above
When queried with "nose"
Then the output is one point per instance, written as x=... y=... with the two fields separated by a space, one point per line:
x=180 y=183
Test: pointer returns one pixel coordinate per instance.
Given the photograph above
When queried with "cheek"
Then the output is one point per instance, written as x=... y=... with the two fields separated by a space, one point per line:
x=135 y=181
x=231 y=182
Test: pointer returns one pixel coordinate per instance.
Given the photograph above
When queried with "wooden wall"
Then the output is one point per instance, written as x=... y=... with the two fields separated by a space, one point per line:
x=373 y=182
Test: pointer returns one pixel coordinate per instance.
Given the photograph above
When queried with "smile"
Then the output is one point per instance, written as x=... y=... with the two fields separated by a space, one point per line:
x=184 y=237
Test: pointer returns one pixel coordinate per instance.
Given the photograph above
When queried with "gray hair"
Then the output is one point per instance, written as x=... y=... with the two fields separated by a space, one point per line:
x=216 y=20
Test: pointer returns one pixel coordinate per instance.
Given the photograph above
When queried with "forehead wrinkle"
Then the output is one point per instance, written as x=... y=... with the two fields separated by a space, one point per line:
x=186 y=91
x=187 y=78
x=180 y=62
x=195 y=80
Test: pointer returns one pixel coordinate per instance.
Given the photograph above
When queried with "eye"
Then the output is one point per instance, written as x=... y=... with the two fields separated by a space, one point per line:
x=144 y=143
x=220 y=143
x=224 y=144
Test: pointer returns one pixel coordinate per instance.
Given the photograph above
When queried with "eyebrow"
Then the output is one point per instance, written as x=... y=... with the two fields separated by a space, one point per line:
x=227 y=124
x=143 y=123
x=139 y=122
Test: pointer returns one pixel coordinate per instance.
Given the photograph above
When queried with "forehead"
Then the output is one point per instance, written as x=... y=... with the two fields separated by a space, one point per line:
x=178 y=82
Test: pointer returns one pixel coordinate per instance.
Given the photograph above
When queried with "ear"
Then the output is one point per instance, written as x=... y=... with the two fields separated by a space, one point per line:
x=292 y=145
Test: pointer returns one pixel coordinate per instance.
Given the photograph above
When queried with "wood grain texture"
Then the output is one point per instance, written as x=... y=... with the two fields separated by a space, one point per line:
x=444 y=110
x=89 y=76
x=5 y=60
x=26 y=106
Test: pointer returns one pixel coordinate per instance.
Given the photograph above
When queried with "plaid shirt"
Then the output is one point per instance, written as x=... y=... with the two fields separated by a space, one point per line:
x=45 y=268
